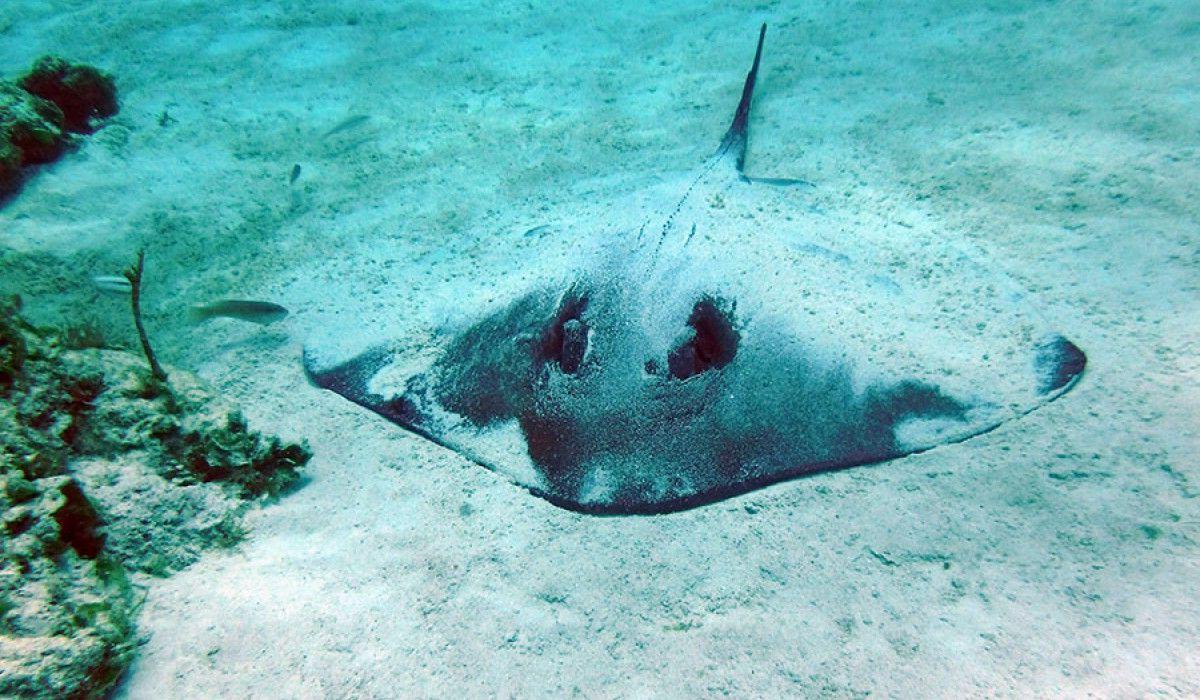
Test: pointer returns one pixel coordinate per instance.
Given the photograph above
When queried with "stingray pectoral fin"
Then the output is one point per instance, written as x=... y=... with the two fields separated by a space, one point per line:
x=924 y=417
x=367 y=381
x=1058 y=364
x=377 y=380
x=347 y=377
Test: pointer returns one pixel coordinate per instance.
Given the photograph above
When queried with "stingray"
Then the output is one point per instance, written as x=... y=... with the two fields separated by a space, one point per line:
x=717 y=338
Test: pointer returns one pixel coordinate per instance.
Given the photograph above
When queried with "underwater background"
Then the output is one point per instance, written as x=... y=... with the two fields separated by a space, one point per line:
x=437 y=144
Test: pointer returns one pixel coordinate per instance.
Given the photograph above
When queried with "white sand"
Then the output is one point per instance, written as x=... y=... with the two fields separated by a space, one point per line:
x=1055 y=556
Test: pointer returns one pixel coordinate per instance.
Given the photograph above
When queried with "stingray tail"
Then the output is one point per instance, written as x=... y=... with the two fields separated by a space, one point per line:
x=734 y=142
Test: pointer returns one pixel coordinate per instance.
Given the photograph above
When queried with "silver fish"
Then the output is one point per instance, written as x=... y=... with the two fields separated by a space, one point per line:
x=112 y=284
x=347 y=124
x=260 y=312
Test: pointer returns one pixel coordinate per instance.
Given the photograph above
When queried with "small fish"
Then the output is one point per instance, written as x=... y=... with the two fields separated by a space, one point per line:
x=346 y=125
x=112 y=284
x=260 y=312
x=295 y=174
x=778 y=181
x=537 y=231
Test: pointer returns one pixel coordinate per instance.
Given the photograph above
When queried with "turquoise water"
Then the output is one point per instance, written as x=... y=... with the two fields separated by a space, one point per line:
x=393 y=170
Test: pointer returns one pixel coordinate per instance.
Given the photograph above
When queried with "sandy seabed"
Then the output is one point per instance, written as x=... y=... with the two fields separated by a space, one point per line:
x=1055 y=556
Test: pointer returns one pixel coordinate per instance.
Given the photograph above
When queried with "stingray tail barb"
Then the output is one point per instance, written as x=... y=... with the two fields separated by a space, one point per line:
x=734 y=142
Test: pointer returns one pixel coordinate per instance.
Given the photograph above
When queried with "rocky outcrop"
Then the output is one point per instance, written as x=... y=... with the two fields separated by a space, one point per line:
x=105 y=471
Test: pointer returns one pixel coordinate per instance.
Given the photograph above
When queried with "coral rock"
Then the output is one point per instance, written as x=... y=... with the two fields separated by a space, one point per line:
x=82 y=92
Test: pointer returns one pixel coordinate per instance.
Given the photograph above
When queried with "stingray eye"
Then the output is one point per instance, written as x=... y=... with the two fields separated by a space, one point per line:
x=566 y=340
x=574 y=345
x=710 y=341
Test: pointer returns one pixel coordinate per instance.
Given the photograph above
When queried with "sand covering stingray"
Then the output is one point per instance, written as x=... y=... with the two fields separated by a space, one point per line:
x=706 y=345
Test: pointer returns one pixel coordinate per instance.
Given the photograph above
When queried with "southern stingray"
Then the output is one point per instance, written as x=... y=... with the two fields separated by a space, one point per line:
x=709 y=344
